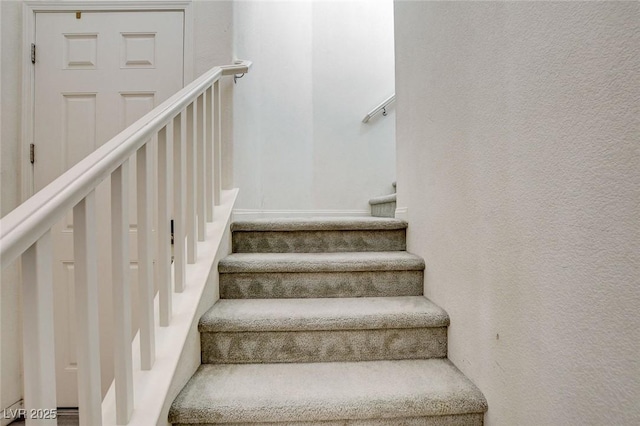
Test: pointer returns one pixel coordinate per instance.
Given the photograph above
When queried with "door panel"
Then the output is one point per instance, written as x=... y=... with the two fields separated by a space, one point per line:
x=94 y=76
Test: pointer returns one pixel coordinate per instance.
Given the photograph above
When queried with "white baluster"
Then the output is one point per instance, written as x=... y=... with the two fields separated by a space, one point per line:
x=217 y=143
x=209 y=165
x=37 y=322
x=164 y=229
x=226 y=148
x=86 y=294
x=190 y=173
x=200 y=167
x=145 y=263
x=121 y=293
x=179 y=204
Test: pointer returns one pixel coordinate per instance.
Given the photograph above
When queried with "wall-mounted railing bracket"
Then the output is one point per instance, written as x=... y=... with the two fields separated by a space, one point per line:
x=382 y=107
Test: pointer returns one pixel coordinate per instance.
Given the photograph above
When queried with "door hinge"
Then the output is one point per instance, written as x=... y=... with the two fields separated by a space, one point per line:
x=32 y=153
x=33 y=53
x=172 y=256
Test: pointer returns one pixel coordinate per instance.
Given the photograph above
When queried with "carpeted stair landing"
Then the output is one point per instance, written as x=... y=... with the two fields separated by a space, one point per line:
x=338 y=336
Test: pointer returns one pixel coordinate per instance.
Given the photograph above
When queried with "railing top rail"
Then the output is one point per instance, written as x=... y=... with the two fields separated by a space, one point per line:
x=20 y=228
x=380 y=107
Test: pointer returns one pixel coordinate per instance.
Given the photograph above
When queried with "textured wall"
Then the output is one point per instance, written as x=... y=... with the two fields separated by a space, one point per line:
x=518 y=134
x=319 y=68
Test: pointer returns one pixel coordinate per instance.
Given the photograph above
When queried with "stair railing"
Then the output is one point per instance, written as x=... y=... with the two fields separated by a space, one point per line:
x=191 y=177
x=382 y=107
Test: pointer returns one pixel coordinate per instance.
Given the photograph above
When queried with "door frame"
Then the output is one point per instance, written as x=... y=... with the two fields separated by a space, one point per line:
x=29 y=10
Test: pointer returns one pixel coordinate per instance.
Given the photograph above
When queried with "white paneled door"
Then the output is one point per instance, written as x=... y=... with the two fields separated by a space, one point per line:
x=95 y=73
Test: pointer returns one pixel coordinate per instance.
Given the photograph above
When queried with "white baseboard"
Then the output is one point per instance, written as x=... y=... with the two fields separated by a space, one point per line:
x=402 y=213
x=250 y=214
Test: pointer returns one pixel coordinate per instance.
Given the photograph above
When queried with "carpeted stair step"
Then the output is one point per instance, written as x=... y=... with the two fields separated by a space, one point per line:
x=322 y=235
x=322 y=330
x=383 y=206
x=376 y=393
x=314 y=275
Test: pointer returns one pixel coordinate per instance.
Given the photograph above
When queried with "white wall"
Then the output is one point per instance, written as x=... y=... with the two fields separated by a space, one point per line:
x=273 y=116
x=213 y=30
x=213 y=45
x=518 y=135
x=319 y=67
x=11 y=347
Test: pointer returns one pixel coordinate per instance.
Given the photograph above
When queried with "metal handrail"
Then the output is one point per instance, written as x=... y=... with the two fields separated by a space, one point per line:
x=380 y=108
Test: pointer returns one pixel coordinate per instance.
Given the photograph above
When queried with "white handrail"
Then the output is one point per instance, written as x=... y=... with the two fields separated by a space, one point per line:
x=382 y=107
x=27 y=229
x=22 y=227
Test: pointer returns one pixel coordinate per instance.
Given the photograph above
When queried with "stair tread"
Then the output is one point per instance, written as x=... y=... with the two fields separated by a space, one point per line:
x=357 y=313
x=391 y=198
x=321 y=262
x=364 y=223
x=325 y=391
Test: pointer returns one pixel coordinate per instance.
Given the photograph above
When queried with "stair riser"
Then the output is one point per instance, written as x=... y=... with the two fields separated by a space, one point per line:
x=278 y=285
x=383 y=210
x=473 y=419
x=323 y=346
x=318 y=241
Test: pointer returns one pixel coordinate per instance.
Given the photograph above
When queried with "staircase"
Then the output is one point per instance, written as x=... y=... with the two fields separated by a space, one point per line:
x=324 y=322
